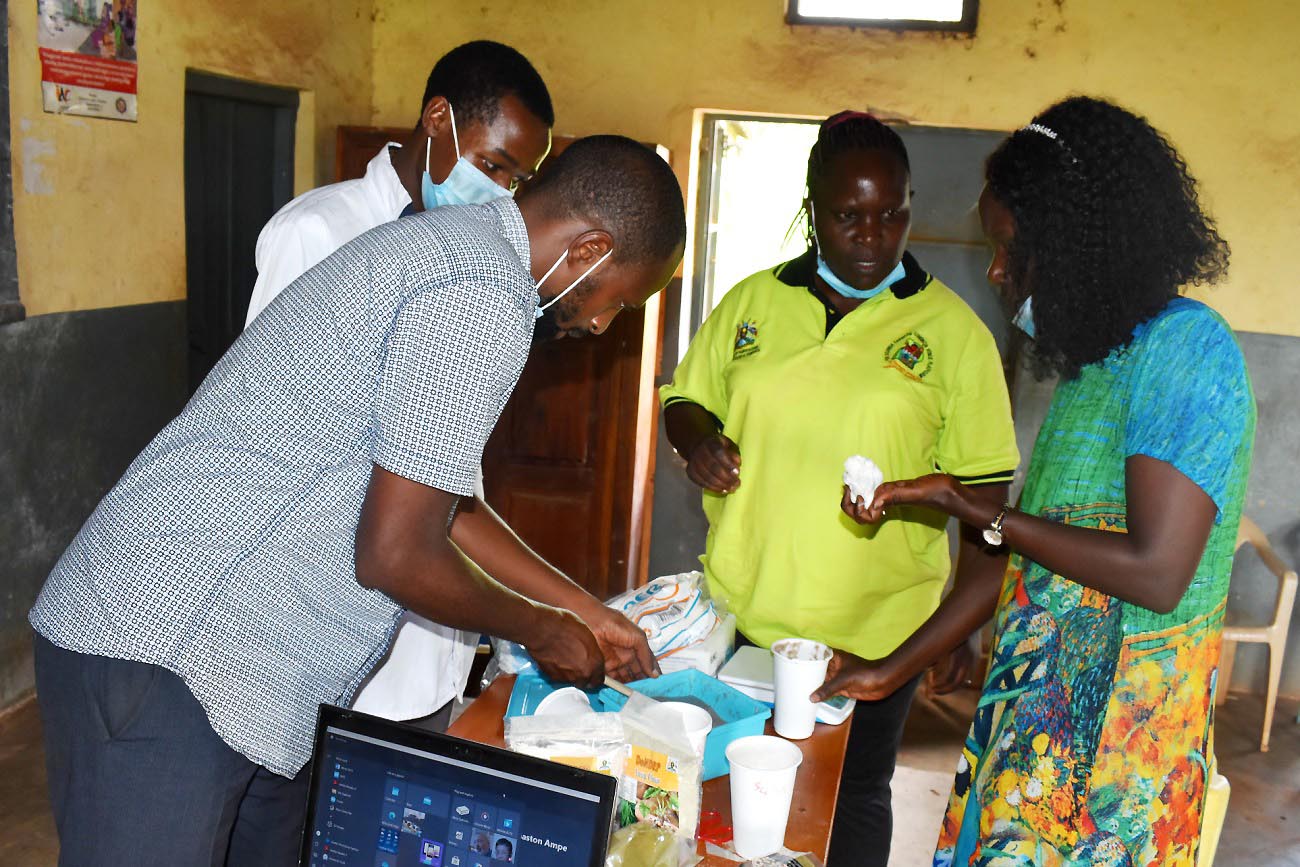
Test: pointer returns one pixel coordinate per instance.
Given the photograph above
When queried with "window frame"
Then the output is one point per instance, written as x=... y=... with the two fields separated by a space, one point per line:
x=969 y=17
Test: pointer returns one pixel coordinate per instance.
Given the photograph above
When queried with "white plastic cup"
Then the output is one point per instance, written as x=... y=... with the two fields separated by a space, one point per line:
x=763 y=769
x=798 y=668
x=567 y=701
x=697 y=721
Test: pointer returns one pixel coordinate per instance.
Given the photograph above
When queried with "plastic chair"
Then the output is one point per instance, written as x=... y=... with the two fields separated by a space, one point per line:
x=1272 y=634
x=1216 y=808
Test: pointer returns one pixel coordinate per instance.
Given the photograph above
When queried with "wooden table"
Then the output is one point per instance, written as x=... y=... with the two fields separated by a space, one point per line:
x=815 y=788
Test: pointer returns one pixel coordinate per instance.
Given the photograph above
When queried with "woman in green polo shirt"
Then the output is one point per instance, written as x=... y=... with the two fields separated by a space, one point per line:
x=852 y=348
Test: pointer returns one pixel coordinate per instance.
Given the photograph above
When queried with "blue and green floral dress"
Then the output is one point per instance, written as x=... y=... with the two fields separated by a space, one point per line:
x=1092 y=739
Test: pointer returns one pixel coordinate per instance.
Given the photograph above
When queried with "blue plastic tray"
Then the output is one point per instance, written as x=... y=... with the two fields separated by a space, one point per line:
x=741 y=715
x=530 y=689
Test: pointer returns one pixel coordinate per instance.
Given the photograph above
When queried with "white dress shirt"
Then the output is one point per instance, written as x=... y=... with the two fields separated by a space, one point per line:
x=429 y=663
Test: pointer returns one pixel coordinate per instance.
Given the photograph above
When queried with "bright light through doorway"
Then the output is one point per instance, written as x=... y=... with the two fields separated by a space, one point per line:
x=883 y=10
x=758 y=175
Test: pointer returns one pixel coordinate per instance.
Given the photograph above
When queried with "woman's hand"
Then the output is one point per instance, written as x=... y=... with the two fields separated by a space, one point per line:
x=714 y=464
x=937 y=491
x=953 y=671
x=855 y=677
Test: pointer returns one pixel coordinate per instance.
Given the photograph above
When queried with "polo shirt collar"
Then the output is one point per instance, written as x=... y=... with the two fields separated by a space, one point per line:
x=800 y=271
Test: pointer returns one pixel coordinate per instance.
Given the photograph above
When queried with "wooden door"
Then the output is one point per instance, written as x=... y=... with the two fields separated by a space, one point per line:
x=238 y=173
x=571 y=464
x=357 y=145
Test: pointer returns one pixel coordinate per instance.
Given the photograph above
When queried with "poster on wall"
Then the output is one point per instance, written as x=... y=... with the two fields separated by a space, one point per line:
x=88 y=57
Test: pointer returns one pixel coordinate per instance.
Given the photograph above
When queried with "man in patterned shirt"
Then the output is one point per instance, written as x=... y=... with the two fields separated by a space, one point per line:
x=502 y=109
x=253 y=560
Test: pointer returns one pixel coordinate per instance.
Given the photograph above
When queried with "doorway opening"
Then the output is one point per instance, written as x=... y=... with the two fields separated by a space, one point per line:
x=239 y=143
x=752 y=182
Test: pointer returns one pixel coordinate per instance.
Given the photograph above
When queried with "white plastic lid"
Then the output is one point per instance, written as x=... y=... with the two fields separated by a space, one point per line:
x=749 y=666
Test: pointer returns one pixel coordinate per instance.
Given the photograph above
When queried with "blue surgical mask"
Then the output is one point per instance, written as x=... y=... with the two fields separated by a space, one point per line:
x=1024 y=318
x=542 y=307
x=465 y=185
x=832 y=279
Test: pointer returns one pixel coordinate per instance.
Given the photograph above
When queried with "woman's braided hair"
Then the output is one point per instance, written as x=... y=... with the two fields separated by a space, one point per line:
x=848 y=132
x=1108 y=227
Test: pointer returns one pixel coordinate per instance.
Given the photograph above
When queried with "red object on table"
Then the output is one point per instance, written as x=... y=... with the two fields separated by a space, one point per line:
x=713 y=829
x=815 y=786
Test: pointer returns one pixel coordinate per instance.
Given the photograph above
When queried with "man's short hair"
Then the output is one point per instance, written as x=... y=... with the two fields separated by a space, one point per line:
x=624 y=187
x=476 y=76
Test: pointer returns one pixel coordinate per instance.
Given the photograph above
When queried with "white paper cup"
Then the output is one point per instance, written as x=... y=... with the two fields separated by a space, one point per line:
x=564 y=702
x=697 y=721
x=798 y=668
x=763 y=769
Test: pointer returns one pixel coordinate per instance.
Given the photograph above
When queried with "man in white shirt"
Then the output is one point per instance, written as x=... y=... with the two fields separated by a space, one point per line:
x=485 y=126
x=483 y=102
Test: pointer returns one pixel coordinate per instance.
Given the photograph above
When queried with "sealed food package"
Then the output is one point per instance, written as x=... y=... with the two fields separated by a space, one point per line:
x=683 y=627
x=589 y=741
x=643 y=845
x=662 y=773
x=674 y=611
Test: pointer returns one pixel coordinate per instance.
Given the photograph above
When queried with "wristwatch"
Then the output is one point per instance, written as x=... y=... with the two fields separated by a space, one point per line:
x=993 y=533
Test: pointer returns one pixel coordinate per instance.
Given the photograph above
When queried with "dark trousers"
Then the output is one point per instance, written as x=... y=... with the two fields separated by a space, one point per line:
x=137 y=775
x=864 y=818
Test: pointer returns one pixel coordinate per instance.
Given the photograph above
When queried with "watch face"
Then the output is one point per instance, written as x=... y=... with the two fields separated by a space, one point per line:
x=993 y=537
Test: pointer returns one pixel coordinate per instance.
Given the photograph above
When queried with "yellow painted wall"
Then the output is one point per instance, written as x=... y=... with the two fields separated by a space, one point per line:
x=1219 y=78
x=99 y=204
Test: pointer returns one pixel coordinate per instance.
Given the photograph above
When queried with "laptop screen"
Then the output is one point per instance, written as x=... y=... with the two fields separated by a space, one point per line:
x=388 y=795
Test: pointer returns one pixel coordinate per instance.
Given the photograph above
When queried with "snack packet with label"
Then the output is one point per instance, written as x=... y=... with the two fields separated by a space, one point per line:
x=662 y=774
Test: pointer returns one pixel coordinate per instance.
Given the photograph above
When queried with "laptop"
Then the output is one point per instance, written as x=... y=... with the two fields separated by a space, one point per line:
x=383 y=794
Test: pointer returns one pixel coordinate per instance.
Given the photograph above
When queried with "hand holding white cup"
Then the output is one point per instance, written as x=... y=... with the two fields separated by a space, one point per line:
x=798 y=668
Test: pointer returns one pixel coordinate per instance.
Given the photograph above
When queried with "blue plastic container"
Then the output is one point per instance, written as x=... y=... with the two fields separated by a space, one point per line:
x=741 y=715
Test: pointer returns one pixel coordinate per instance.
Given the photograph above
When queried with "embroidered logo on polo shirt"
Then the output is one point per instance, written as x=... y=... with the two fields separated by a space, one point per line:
x=746 y=339
x=911 y=355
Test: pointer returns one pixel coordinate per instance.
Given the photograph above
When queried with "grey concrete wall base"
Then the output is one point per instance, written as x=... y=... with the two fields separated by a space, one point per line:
x=80 y=395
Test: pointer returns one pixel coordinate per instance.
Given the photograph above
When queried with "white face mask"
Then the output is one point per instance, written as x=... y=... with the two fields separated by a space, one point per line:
x=540 y=306
x=466 y=185
x=1024 y=318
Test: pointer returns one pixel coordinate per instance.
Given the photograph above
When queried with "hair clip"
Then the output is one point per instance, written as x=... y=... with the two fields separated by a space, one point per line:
x=1053 y=135
x=1044 y=130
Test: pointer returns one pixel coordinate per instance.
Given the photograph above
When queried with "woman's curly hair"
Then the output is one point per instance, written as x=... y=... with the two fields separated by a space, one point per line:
x=1108 y=228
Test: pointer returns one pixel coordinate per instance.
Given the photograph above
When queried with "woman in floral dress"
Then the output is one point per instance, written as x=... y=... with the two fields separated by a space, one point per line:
x=1092 y=740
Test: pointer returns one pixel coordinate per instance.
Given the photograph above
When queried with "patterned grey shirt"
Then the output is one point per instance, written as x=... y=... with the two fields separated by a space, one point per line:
x=225 y=553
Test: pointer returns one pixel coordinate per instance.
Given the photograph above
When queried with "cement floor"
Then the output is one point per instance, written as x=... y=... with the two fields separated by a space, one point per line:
x=1262 y=828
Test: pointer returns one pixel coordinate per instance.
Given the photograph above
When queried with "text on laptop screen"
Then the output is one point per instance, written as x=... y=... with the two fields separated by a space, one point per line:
x=382 y=804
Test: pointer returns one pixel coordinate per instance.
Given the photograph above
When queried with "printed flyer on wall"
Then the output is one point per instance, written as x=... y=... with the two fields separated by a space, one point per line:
x=88 y=57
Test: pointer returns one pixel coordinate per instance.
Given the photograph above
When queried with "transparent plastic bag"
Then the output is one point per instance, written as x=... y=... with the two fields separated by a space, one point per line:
x=663 y=776
x=644 y=845
x=590 y=741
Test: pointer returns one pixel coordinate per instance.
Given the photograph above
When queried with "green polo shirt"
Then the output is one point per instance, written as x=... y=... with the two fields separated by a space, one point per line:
x=911 y=379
